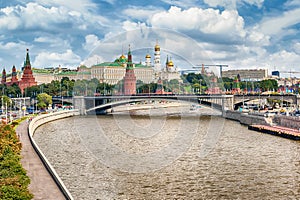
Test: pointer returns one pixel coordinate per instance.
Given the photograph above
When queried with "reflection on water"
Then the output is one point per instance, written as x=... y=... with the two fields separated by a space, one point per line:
x=242 y=165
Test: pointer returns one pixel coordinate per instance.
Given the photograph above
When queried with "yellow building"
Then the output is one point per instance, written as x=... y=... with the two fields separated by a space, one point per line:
x=113 y=72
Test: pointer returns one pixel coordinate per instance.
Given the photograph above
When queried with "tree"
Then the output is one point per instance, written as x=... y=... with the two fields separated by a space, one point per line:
x=44 y=100
x=32 y=91
x=6 y=101
x=268 y=84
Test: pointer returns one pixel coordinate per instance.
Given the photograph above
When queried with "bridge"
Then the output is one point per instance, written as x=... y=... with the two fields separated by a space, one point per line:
x=285 y=98
x=98 y=104
x=88 y=104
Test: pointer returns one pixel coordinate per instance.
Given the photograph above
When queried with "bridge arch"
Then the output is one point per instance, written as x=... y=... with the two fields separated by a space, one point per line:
x=109 y=105
x=89 y=104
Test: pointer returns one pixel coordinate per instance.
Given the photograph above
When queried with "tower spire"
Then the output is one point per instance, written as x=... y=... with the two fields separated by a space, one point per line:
x=27 y=61
x=129 y=58
x=167 y=62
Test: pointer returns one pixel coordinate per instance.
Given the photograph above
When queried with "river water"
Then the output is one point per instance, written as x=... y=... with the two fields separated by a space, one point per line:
x=164 y=156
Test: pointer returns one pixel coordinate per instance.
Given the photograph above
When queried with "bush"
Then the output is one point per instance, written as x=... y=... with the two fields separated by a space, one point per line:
x=13 y=179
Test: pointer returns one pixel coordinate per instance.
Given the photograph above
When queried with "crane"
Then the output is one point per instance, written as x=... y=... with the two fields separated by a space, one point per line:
x=290 y=72
x=203 y=66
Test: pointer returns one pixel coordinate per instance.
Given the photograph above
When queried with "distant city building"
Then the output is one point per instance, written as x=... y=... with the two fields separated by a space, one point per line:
x=247 y=74
x=27 y=79
x=276 y=73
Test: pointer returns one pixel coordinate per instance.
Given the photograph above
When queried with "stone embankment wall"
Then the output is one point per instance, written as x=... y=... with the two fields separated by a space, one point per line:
x=34 y=124
x=245 y=118
x=287 y=121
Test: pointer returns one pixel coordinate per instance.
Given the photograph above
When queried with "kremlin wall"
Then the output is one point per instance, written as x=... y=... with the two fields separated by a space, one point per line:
x=121 y=68
x=106 y=72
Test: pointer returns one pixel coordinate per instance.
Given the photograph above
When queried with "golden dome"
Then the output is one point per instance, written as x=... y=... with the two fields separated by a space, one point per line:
x=170 y=63
x=148 y=56
x=122 y=57
x=157 y=47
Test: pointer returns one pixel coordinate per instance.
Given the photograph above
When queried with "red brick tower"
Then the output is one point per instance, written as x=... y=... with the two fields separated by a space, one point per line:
x=3 y=80
x=129 y=79
x=14 y=78
x=27 y=79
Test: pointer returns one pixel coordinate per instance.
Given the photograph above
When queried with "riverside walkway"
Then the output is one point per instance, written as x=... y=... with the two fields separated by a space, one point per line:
x=42 y=185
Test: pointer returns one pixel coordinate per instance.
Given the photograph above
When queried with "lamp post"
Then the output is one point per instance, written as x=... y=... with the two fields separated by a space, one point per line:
x=6 y=112
x=2 y=106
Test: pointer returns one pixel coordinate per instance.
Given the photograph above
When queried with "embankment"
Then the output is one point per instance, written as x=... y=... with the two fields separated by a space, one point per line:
x=34 y=124
x=246 y=118
x=287 y=121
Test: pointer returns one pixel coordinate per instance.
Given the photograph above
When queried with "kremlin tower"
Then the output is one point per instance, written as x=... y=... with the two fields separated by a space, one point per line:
x=14 y=78
x=27 y=79
x=3 y=80
x=130 y=78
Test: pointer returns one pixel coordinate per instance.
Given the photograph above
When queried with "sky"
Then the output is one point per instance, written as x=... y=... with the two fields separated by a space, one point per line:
x=243 y=34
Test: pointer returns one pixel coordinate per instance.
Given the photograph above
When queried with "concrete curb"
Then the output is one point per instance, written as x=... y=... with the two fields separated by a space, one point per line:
x=34 y=124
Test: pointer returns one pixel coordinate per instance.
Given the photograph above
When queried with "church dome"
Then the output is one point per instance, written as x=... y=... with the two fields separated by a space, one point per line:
x=148 y=56
x=157 y=47
x=122 y=59
x=170 y=63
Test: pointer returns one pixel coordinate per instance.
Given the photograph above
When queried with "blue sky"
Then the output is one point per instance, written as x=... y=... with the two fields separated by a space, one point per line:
x=240 y=33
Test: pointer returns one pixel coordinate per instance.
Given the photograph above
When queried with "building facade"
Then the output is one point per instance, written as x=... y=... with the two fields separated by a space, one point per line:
x=247 y=74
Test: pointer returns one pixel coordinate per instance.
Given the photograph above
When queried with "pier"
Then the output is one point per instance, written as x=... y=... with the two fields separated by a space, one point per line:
x=277 y=130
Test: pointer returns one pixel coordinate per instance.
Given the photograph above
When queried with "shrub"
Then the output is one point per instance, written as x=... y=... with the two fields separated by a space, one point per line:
x=13 y=179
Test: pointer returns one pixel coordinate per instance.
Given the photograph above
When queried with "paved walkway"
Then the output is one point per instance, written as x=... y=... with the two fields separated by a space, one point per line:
x=42 y=186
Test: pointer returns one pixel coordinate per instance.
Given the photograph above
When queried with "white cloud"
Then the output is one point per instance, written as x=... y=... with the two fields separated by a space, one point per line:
x=79 y=5
x=232 y=4
x=296 y=47
x=285 y=60
x=279 y=24
x=141 y=13
x=53 y=42
x=181 y=3
x=129 y=26
x=258 y=38
x=292 y=3
x=34 y=16
x=208 y=21
x=45 y=59
x=12 y=46
x=13 y=52
x=95 y=59
x=91 y=42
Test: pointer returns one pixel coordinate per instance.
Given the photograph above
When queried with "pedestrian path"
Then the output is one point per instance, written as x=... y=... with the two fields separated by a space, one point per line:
x=42 y=186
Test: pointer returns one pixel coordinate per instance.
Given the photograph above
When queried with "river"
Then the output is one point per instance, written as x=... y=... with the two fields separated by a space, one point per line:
x=163 y=156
